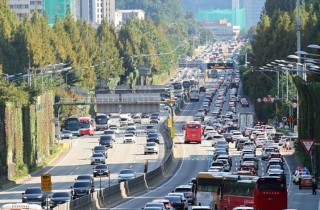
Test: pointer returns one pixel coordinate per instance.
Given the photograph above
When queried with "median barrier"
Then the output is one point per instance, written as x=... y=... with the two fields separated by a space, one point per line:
x=110 y=195
x=135 y=185
x=165 y=166
x=154 y=176
x=88 y=202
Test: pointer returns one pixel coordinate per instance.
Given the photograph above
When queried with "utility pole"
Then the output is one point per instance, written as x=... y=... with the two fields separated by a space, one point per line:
x=298 y=47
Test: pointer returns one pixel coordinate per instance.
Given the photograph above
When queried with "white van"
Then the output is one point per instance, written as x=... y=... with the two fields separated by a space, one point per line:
x=124 y=119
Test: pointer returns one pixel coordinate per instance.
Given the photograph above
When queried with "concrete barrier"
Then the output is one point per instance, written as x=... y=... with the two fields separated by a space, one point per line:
x=109 y=195
x=135 y=185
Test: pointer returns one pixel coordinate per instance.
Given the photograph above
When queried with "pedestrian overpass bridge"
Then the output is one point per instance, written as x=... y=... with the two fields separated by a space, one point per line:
x=115 y=103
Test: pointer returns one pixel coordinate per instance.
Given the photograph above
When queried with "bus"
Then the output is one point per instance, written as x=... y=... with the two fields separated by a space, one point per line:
x=207 y=187
x=237 y=190
x=186 y=84
x=102 y=121
x=21 y=206
x=80 y=126
x=177 y=85
x=270 y=193
x=193 y=132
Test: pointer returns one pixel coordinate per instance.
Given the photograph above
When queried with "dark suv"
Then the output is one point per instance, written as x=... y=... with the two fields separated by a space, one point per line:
x=100 y=149
x=81 y=188
x=34 y=195
x=106 y=140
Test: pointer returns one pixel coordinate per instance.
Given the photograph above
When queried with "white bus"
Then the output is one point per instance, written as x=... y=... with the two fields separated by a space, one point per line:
x=21 y=206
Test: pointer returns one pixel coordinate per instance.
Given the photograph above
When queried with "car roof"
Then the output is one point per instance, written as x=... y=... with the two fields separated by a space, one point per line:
x=184 y=186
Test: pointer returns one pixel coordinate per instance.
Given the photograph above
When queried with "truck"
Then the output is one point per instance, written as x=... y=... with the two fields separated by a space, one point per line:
x=245 y=120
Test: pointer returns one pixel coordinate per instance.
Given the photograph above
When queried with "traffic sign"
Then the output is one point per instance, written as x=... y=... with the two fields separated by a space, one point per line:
x=265 y=99
x=291 y=119
x=294 y=105
x=173 y=132
x=46 y=184
x=284 y=119
x=272 y=99
x=259 y=100
x=308 y=144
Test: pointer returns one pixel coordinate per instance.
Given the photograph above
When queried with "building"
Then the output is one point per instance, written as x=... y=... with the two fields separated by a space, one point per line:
x=235 y=7
x=21 y=7
x=121 y=16
x=253 y=10
x=95 y=11
x=222 y=29
x=59 y=7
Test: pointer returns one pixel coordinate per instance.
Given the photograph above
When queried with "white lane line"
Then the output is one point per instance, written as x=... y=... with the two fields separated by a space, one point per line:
x=130 y=166
x=71 y=173
x=77 y=168
x=75 y=145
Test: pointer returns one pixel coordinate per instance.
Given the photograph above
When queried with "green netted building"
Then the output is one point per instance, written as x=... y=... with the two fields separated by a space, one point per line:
x=58 y=7
x=237 y=17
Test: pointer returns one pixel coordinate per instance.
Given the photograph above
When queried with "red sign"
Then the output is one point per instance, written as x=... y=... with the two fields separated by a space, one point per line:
x=308 y=144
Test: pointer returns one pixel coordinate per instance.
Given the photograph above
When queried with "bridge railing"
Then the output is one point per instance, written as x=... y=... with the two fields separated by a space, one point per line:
x=106 y=100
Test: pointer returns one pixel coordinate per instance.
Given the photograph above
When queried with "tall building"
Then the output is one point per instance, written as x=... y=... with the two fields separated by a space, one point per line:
x=235 y=7
x=253 y=10
x=25 y=6
x=94 y=11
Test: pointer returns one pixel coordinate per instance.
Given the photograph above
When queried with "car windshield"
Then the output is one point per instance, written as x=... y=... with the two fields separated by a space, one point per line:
x=108 y=132
x=126 y=172
x=153 y=135
x=97 y=155
x=33 y=191
x=101 y=167
x=66 y=132
x=99 y=148
x=180 y=189
x=105 y=137
x=84 y=177
x=151 y=144
x=81 y=184
x=131 y=129
x=150 y=127
x=60 y=194
x=173 y=199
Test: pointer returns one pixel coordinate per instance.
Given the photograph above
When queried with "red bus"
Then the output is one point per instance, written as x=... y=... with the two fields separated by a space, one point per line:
x=193 y=132
x=270 y=193
x=237 y=190
x=80 y=126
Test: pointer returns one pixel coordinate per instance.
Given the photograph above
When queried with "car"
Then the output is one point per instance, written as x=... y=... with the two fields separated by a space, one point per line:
x=152 y=204
x=81 y=188
x=274 y=162
x=34 y=195
x=217 y=153
x=305 y=181
x=101 y=170
x=151 y=147
x=129 y=137
x=150 y=129
x=97 y=158
x=66 y=134
x=137 y=119
x=126 y=175
x=111 y=133
x=176 y=202
x=85 y=177
x=59 y=197
x=276 y=172
x=275 y=155
x=228 y=137
x=114 y=128
x=181 y=195
x=266 y=153
x=153 y=137
x=132 y=130
x=250 y=157
x=240 y=144
x=223 y=144
x=165 y=202
x=154 y=120
x=144 y=115
x=298 y=173
x=276 y=137
x=100 y=149
x=188 y=193
x=106 y=140
x=226 y=167
x=216 y=169
x=225 y=157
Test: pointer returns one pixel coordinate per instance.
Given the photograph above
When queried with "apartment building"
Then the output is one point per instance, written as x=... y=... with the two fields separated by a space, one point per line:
x=95 y=11
x=253 y=10
x=26 y=6
x=121 y=16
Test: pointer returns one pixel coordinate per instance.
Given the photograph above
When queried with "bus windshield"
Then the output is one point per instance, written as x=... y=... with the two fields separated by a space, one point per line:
x=208 y=185
x=101 y=119
x=84 y=124
x=186 y=84
x=271 y=184
x=177 y=86
x=72 y=124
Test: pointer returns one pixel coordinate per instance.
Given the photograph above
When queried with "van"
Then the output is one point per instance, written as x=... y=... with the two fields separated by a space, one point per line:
x=123 y=119
x=137 y=119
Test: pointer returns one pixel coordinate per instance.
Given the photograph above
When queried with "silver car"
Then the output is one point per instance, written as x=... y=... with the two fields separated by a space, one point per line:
x=66 y=134
x=151 y=147
x=126 y=175
x=98 y=158
x=114 y=128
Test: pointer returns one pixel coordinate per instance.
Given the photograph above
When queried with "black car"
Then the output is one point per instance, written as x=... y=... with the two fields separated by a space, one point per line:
x=100 y=149
x=154 y=119
x=228 y=137
x=157 y=115
x=153 y=137
x=176 y=202
x=202 y=90
x=106 y=140
x=101 y=170
x=144 y=115
x=58 y=198
x=85 y=177
x=81 y=188
x=34 y=195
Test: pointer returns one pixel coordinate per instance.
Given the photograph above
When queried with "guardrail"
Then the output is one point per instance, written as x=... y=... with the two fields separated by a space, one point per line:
x=107 y=100
x=115 y=193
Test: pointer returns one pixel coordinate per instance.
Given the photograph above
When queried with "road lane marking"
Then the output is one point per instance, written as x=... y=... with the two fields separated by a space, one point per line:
x=77 y=168
x=130 y=166
x=71 y=173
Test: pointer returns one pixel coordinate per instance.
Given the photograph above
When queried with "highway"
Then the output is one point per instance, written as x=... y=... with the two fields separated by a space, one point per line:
x=76 y=161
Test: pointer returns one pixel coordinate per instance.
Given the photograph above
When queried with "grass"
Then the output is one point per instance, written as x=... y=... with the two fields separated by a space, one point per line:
x=55 y=151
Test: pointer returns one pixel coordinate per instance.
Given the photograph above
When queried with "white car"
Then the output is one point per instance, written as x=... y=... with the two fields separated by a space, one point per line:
x=151 y=147
x=236 y=135
x=129 y=137
x=270 y=130
x=114 y=128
